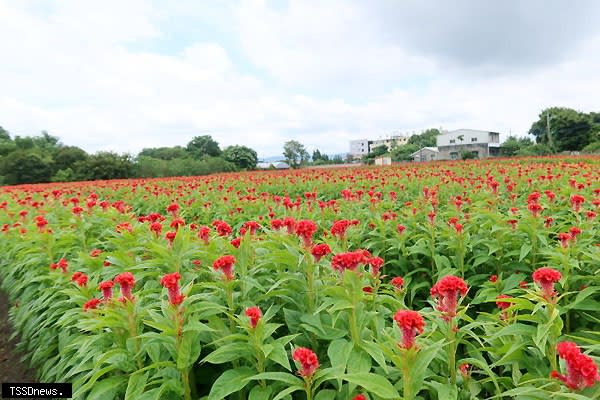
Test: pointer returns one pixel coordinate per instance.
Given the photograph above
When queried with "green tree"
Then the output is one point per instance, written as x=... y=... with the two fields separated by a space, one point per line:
x=563 y=129
x=426 y=138
x=538 y=149
x=4 y=135
x=513 y=144
x=201 y=146
x=25 y=166
x=164 y=153
x=104 y=165
x=243 y=157
x=592 y=148
x=65 y=157
x=6 y=143
x=403 y=152
x=295 y=154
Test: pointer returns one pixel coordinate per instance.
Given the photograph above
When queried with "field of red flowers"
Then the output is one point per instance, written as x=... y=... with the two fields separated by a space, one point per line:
x=459 y=280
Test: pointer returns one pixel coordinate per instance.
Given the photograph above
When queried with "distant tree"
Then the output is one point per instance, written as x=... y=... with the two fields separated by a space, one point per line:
x=569 y=129
x=4 y=135
x=24 y=143
x=468 y=155
x=378 y=151
x=243 y=157
x=592 y=148
x=295 y=154
x=403 y=152
x=201 y=146
x=24 y=166
x=65 y=157
x=164 y=153
x=6 y=143
x=538 y=149
x=513 y=144
x=426 y=138
x=337 y=159
x=46 y=142
x=104 y=165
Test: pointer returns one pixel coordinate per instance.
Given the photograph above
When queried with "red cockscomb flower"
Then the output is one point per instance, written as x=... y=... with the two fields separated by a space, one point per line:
x=95 y=253
x=359 y=397
x=80 y=278
x=305 y=229
x=397 y=282
x=225 y=264
x=502 y=304
x=446 y=291
x=320 y=250
x=126 y=281
x=349 y=260
x=203 y=233
x=106 y=288
x=576 y=201
x=308 y=361
x=171 y=282
x=254 y=314
x=410 y=323
x=376 y=263
x=91 y=304
x=582 y=372
x=546 y=278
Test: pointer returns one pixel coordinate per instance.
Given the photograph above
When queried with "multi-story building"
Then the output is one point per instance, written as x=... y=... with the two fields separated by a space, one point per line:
x=363 y=147
x=482 y=144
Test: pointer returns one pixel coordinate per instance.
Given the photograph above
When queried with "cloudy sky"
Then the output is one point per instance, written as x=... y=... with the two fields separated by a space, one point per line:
x=124 y=75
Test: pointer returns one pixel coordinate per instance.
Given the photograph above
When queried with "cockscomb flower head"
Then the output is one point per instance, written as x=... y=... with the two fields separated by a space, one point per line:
x=171 y=283
x=582 y=372
x=545 y=278
x=410 y=323
x=320 y=250
x=254 y=314
x=126 y=281
x=446 y=291
x=225 y=264
x=308 y=361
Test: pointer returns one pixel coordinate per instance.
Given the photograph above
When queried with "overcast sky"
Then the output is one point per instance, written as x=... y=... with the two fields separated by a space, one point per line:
x=127 y=74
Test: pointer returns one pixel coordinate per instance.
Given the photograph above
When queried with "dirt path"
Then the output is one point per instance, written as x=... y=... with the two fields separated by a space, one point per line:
x=11 y=367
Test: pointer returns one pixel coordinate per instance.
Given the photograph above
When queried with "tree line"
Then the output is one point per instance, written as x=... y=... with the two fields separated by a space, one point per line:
x=44 y=158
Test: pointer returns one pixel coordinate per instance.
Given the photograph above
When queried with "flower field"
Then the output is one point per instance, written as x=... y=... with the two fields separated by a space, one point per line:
x=459 y=280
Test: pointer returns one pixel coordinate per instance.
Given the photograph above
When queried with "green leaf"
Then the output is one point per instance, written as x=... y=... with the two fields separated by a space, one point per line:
x=136 y=385
x=107 y=388
x=189 y=350
x=418 y=370
x=445 y=391
x=278 y=376
x=326 y=394
x=279 y=355
x=285 y=392
x=228 y=352
x=260 y=393
x=229 y=382
x=373 y=383
x=525 y=249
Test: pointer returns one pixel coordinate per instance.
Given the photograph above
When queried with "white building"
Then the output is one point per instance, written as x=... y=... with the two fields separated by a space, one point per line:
x=425 y=154
x=482 y=144
x=362 y=147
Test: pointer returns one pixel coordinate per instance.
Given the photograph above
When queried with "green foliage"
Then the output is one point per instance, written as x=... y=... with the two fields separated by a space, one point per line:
x=65 y=157
x=403 y=152
x=295 y=154
x=243 y=157
x=201 y=146
x=570 y=130
x=25 y=166
x=164 y=153
x=468 y=155
x=538 y=149
x=513 y=144
x=425 y=139
x=592 y=148
x=104 y=165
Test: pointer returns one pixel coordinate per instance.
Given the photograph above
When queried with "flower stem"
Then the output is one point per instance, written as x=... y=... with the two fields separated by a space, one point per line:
x=452 y=351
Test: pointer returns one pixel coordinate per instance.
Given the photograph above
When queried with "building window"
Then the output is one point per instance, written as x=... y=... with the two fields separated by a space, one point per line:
x=454 y=155
x=473 y=139
x=452 y=141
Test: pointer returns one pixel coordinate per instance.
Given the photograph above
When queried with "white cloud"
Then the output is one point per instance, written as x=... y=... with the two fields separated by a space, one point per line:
x=321 y=73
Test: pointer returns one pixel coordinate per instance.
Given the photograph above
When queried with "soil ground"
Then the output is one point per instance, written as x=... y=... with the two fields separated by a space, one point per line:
x=11 y=368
